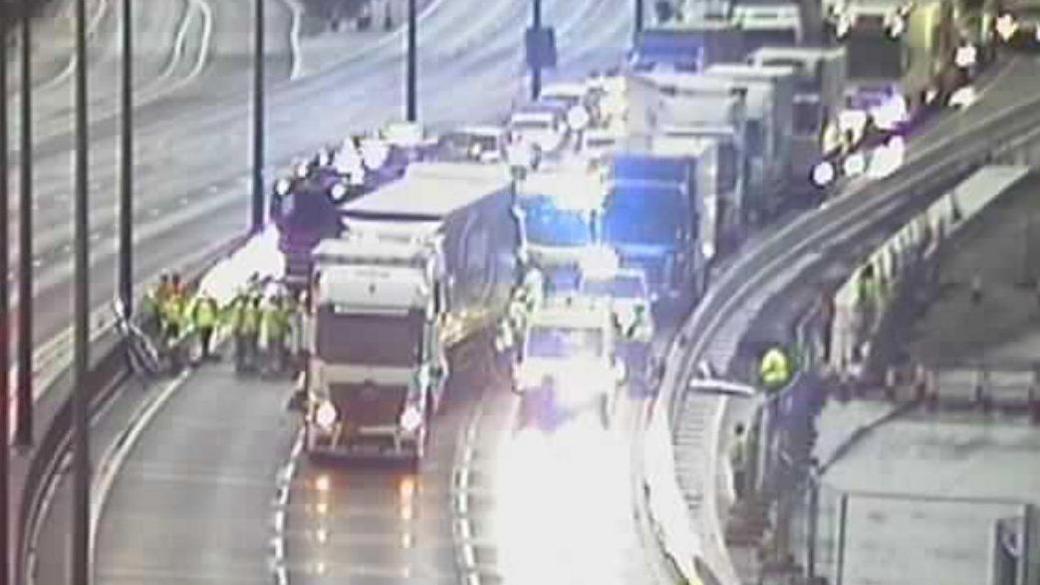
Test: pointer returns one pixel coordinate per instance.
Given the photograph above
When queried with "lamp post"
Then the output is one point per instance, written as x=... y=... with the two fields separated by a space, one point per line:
x=80 y=545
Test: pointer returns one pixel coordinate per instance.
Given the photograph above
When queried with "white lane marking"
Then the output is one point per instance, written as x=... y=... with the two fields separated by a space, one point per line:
x=469 y=558
x=70 y=65
x=115 y=456
x=461 y=488
x=296 y=54
x=207 y=37
x=380 y=43
x=285 y=479
x=179 y=40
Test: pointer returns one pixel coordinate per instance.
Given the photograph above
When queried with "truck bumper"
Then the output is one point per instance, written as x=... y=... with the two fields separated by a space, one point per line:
x=365 y=444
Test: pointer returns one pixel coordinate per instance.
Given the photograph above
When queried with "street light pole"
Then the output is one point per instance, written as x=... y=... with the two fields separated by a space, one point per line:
x=80 y=546
x=412 y=77
x=24 y=414
x=536 y=68
x=5 y=343
x=257 y=212
x=639 y=17
x=126 y=161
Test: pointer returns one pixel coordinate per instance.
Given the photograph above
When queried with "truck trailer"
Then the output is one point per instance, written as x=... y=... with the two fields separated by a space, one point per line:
x=900 y=57
x=687 y=46
x=770 y=109
x=653 y=214
x=819 y=98
x=683 y=107
x=424 y=264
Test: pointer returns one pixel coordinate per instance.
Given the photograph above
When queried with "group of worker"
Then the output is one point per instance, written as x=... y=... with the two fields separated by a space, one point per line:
x=253 y=322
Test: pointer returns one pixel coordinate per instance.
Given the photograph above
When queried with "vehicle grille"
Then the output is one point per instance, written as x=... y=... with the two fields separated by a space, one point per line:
x=368 y=404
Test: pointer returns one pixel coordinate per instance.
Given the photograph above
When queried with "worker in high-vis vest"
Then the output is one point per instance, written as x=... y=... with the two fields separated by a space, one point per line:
x=775 y=370
x=204 y=313
x=274 y=330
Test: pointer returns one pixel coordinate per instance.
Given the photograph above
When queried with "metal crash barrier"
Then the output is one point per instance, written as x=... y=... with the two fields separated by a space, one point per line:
x=698 y=552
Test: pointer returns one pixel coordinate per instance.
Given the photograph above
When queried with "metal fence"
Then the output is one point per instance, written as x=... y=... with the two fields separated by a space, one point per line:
x=861 y=538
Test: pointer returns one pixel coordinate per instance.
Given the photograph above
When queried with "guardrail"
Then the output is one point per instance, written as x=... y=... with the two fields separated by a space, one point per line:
x=698 y=551
x=33 y=470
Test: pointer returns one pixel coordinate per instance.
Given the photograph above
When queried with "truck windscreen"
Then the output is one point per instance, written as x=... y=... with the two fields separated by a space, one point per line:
x=644 y=215
x=548 y=225
x=619 y=287
x=564 y=342
x=777 y=37
x=365 y=339
x=873 y=55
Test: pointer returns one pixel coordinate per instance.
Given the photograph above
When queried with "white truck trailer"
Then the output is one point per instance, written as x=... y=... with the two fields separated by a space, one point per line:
x=770 y=109
x=425 y=263
x=683 y=106
x=819 y=98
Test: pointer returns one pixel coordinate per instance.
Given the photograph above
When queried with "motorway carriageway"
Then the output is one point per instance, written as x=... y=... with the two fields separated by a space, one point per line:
x=198 y=497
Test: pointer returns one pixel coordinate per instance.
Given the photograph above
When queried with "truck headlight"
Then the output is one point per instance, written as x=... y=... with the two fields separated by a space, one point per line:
x=411 y=419
x=326 y=415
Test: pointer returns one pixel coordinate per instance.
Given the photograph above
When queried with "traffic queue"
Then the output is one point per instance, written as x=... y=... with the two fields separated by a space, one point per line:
x=606 y=200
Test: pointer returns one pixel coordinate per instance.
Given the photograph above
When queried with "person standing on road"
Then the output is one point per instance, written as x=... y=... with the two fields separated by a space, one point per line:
x=274 y=327
x=976 y=289
x=204 y=314
x=245 y=324
x=173 y=317
x=738 y=461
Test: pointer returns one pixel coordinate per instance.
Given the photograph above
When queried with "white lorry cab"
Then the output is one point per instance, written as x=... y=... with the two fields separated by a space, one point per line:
x=568 y=362
x=425 y=263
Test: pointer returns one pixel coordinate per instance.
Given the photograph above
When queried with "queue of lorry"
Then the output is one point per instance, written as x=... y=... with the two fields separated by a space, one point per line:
x=556 y=239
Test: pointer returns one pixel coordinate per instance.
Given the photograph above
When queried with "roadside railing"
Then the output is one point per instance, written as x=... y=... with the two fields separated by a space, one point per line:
x=698 y=550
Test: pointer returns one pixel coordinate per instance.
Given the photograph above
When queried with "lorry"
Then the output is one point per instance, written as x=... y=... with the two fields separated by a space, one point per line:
x=653 y=212
x=560 y=210
x=770 y=109
x=687 y=46
x=568 y=363
x=424 y=264
x=773 y=24
x=675 y=107
x=900 y=57
x=305 y=212
x=819 y=98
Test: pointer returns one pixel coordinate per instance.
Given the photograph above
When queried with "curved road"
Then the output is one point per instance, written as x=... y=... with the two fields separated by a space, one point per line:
x=214 y=491
x=198 y=500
